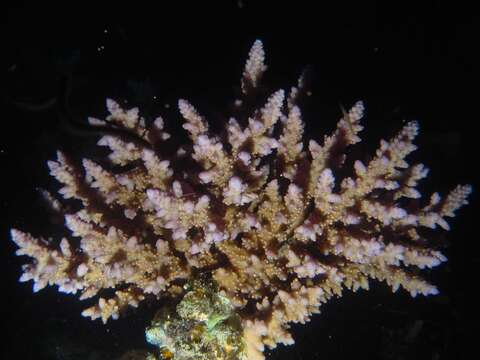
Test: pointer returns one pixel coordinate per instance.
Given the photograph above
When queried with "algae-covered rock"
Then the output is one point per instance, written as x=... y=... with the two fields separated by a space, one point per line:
x=202 y=326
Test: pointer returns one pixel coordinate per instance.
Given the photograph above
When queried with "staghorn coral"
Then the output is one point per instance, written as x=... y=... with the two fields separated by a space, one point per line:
x=257 y=208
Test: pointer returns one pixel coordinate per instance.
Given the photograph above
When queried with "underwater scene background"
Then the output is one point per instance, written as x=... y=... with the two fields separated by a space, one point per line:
x=405 y=62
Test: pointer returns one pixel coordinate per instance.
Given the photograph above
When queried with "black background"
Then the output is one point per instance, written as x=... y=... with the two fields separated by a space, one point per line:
x=406 y=61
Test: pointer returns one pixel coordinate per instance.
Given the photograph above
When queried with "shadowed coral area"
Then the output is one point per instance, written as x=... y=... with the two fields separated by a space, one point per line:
x=260 y=209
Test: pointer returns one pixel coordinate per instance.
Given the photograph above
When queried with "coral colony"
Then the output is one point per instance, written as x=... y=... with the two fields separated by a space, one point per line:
x=246 y=232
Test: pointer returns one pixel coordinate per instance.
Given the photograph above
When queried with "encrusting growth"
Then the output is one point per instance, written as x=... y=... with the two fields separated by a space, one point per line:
x=260 y=211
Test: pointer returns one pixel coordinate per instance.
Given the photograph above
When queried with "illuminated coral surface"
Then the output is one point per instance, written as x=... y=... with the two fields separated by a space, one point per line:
x=270 y=216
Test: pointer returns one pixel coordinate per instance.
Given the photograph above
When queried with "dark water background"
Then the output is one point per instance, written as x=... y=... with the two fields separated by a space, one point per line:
x=405 y=61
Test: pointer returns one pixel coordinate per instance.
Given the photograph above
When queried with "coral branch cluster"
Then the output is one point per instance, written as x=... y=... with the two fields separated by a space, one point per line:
x=263 y=211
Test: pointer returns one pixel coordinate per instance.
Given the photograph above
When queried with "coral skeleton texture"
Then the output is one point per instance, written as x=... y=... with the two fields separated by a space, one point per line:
x=258 y=207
